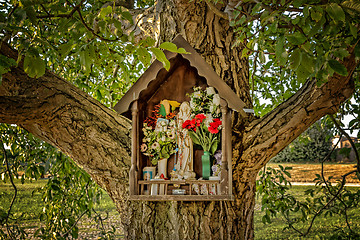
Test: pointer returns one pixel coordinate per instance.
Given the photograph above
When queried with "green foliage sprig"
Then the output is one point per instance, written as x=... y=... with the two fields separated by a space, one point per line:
x=289 y=42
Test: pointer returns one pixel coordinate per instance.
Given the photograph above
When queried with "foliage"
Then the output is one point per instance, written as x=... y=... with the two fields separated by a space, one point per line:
x=288 y=42
x=272 y=186
x=311 y=146
x=29 y=206
x=323 y=200
x=69 y=193
x=88 y=43
x=329 y=227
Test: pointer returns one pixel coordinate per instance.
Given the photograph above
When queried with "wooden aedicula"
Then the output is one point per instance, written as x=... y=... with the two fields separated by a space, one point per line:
x=156 y=84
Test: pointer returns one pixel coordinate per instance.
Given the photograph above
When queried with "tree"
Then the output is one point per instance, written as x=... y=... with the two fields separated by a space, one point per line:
x=67 y=36
x=311 y=146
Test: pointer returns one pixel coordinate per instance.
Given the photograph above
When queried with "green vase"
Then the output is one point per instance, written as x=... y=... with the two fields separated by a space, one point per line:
x=205 y=160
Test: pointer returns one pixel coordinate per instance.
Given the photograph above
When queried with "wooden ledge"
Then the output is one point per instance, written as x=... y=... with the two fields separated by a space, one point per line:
x=184 y=198
x=179 y=181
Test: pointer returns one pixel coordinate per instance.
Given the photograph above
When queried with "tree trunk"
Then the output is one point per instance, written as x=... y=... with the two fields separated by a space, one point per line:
x=98 y=139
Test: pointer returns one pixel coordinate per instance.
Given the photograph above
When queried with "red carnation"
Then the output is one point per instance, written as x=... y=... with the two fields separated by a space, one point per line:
x=200 y=117
x=186 y=124
x=212 y=129
x=217 y=120
x=216 y=123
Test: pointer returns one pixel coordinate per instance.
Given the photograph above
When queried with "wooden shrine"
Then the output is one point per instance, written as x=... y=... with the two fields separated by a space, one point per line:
x=142 y=100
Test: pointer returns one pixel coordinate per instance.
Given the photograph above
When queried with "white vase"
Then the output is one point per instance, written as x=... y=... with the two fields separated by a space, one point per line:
x=162 y=167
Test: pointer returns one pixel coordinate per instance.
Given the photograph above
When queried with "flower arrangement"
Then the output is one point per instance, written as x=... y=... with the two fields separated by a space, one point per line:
x=205 y=101
x=161 y=142
x=159 y=131
x=204 y=127
x=204 y=133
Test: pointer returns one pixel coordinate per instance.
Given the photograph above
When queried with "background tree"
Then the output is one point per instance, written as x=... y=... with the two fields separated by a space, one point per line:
x=311 y=146
x=100 y=45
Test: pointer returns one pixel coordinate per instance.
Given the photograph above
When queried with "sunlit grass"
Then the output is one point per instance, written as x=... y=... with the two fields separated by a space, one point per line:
x=323 y=228
x=29 y=205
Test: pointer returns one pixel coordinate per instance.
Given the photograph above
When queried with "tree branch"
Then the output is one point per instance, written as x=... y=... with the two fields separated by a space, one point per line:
x=267 y=136
x=92 y=30
x=65 y=15
x=217 y=11
x=95 y=137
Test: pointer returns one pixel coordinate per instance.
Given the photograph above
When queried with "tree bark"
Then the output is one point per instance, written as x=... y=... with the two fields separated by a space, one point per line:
x=98 y=139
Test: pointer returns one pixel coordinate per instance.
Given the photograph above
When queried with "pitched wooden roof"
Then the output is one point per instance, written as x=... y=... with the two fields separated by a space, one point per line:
x=156 y=73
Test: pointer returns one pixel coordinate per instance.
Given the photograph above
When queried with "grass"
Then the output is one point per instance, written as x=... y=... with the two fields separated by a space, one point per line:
x=305 y=172
x=323 y=227
x=29 y=205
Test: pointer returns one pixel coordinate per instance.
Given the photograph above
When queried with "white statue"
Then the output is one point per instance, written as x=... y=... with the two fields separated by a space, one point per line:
x=185 y=163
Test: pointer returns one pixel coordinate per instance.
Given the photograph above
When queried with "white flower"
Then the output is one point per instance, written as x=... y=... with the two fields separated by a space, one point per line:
x=216 y=100
x=208 y=120
x=192 y=104
x=197 y=94
x=171 y=134
x=163 y=138
x=211 y=108
x=143 y=147
x=155 y=146
x=210 y=91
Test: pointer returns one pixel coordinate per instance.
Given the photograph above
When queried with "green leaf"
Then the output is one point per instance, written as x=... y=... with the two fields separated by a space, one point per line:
x=296 y=39
x=336 y=12
x=118 y=26
x=148 y=42
x=298 y=3
x=316 y=15
x=280 y=51
x=34 y=66
x=144 y=56
x=160 y=56
x=105 y=11
x=194 y=137
x=308 y=62
x=65 y=48
x=338 y=67
x=31 y=14
x=353 y=30
x=6 y=63
x=341 y=53
x=172 y=48
x=128 y=16
x=302 y=73
x=85 y=62
x=357 y=50
x=168 y=46
x=214 y=147
x=295 y=59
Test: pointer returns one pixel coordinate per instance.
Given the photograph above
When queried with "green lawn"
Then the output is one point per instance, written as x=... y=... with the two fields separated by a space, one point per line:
x=323 y=227
x=29 y=205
